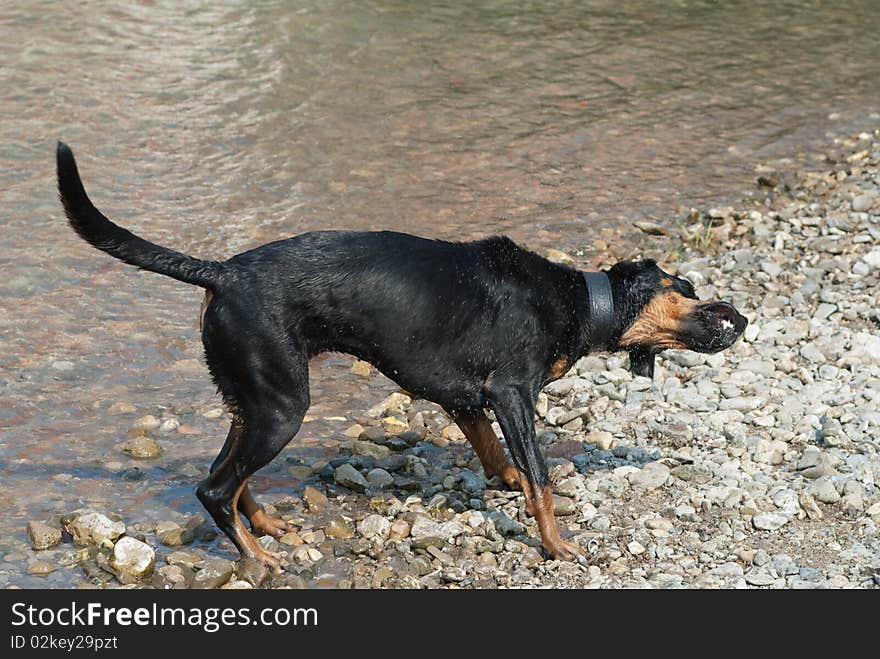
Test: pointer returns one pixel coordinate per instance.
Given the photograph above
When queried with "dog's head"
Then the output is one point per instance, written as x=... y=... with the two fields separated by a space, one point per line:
x=658 y=311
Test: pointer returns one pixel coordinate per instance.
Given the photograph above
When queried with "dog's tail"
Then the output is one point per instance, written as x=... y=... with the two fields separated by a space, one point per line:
x=98 y=231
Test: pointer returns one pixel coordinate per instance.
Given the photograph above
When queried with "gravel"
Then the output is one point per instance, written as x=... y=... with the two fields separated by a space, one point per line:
x=754 y=468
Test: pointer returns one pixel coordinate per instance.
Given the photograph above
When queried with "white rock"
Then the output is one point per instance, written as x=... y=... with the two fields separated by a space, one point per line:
x=94 y=529
x=769 y=521
x=374 y=526
x=132 y=559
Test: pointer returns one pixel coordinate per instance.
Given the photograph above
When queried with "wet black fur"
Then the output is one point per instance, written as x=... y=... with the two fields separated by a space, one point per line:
x=469 y=325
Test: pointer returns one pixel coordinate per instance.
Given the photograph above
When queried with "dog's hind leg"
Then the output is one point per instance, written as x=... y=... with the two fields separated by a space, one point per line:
x=261 y=522
x=265 y=382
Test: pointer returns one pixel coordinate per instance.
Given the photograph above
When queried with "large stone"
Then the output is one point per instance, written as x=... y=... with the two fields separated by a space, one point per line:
x=314 y=499
x=251 y=571
x=424 y=527
x=374 y=526
x=214 y=573
x=650 y=477
x=338 y=528
x=349 y=477
x=769 y=521
x=396 y=403
x=863 y=202
x=94 y=529
x=865 y=348
x=361 y=447
x=43 y=536
x=379 y=479
x=142 y=448
x=823 y=489
x=132 y=560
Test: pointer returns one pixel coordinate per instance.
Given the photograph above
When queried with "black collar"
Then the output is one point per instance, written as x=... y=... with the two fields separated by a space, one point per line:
x=601 y=309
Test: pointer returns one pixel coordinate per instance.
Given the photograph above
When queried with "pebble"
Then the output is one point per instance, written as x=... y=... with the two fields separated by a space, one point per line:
x=862 y=203
x=252 y=572
x=43 y=536
x=769 y=521
x=214 y=573
x=759 y=577
x=132 y=560
x=379 y=479
x=94 y=529
x=823 y=490
x=349 y=477
x=315 y=500
x=374 y=526
x=142 y=448
x=650 y=477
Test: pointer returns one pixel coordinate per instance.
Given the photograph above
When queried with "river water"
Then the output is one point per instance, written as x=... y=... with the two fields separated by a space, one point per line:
x=212 y=127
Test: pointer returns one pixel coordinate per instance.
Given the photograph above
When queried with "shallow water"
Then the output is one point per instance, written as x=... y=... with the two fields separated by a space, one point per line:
x=213 y=127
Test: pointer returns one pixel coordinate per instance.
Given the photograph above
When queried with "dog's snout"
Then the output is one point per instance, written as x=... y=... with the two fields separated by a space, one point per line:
x=726 y=313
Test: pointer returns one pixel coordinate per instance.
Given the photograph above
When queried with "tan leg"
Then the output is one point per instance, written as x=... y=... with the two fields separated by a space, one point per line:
x=539 y=501
x=250 y=547
x=479 y=433
x=542 y=504
x=261 y=523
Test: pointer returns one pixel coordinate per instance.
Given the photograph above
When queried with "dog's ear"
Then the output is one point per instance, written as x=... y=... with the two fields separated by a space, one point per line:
x=641 y=362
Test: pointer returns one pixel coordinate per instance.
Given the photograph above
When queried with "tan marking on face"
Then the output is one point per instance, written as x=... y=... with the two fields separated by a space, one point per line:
x=557 y=368
x=666 y=281
x=657 y=324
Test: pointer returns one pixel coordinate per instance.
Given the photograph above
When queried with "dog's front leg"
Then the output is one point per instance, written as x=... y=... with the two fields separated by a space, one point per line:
x=514 y=406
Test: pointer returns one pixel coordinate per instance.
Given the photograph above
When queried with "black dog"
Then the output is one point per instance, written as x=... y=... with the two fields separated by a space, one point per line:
x=474 y=325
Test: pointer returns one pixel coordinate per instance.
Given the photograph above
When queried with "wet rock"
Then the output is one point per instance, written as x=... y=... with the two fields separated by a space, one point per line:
x=43 y=536
x=399 y=529
x=169 y=426
x=315 y=500
x=252 y=572
x=186 y=559
x=396 y=403
x=214 y=573
x=379 y=479
x=291 y=539
x=94 y=529
x=172 y=577
x=132 y=560
x=121 y=408
x=176 y=537
x=349 y=477
x=40 y=568
x=148 y=422
x=142 y=448
x=339 y=528
x=376 y=451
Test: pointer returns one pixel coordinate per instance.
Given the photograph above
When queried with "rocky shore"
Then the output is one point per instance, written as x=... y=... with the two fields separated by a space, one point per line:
x=756 y=467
